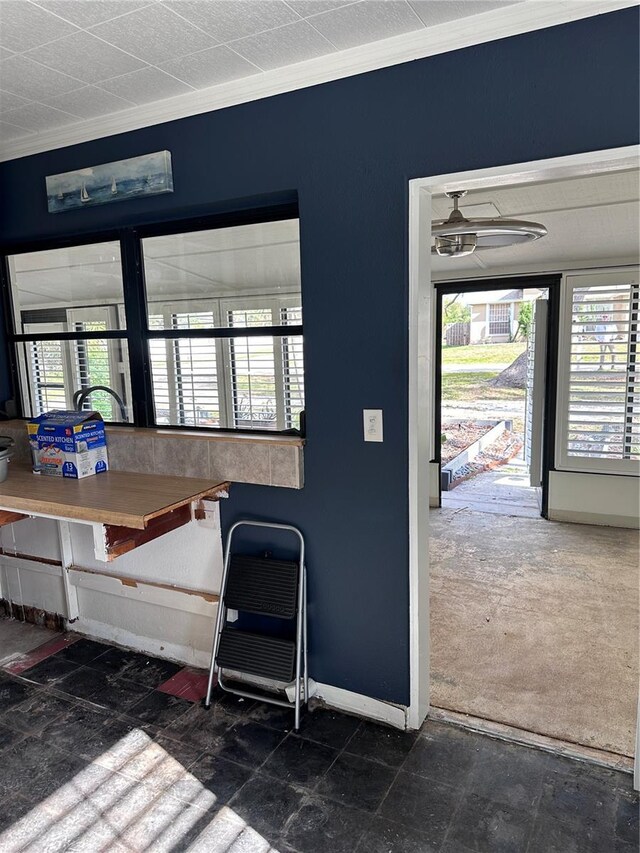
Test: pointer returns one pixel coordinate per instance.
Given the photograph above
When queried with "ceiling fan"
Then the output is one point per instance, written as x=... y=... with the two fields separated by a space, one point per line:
x=458 y=236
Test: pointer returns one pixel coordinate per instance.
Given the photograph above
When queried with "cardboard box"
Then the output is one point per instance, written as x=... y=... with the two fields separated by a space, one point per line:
x=68 y=444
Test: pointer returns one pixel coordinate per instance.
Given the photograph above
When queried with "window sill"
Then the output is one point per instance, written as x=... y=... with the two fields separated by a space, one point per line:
x=265 y=460
x=212 y=435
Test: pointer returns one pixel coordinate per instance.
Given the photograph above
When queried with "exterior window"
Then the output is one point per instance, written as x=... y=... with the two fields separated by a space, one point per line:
x=601 y=384
x=219 y=343
x=69 y=317
x=500 y=319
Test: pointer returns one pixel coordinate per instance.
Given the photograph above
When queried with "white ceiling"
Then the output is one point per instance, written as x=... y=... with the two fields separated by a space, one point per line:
x=65 y=60
x=592 y=220
x=66 y=66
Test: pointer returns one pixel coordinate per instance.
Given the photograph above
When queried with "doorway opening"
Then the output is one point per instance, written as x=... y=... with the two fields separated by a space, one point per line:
x=494 y=378
x=529 y=622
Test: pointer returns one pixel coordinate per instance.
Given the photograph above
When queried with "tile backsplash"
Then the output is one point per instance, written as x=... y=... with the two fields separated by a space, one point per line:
x=241 y=460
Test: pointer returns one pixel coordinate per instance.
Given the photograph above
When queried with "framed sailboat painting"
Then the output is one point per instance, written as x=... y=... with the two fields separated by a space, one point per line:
x=147 y=175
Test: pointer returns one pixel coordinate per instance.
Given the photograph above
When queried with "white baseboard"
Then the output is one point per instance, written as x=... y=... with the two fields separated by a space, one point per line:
x=362 y=706
x=599 y=519
x=149 y=645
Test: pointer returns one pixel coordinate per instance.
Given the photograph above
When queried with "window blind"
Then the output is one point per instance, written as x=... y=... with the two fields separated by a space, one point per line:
x=46 y=362
x=603 y=397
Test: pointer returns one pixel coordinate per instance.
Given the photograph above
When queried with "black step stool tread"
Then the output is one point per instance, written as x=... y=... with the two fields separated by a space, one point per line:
x=263 y=586
x=256 y=654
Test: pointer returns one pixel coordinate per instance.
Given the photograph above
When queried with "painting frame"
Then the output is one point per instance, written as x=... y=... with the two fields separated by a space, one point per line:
x=121 y=180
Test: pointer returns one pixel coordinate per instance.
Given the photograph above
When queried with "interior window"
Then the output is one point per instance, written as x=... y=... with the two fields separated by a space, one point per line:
x=219 y=346
x=231 y=279
x=75 y=291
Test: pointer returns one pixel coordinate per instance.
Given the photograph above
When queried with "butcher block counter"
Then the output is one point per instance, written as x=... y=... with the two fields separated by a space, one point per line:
x=130 y=508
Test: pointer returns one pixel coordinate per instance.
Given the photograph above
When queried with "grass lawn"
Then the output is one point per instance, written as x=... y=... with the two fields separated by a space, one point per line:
x=483 y=353
x=471 y=387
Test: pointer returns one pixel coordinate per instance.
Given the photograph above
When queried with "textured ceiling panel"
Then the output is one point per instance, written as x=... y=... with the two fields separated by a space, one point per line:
x=145 y=86
x=145 y=51
x=284 y=46
x=433 y=13
x=25 y=25
x=10 y=102
x=368 y=21
x=89 y=102
x=85 y=57
x=88 y=13
x=226 y=21
x=37 y=117
x=210 y=67
x=26 y=78
x=155 y=34
x=306 y=8
x=11 y=131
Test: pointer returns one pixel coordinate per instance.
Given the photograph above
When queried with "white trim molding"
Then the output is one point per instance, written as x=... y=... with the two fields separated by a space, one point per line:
x=501 y=23
x=420 y=443
x=420 y=381
x=362 y=706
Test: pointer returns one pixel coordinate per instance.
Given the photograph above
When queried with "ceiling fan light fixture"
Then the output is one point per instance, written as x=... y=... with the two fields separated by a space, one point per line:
x=457 y=236
x=456 y=246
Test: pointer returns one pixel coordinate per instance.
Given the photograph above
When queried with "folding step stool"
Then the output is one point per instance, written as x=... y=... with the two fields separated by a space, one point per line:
x=264 y=587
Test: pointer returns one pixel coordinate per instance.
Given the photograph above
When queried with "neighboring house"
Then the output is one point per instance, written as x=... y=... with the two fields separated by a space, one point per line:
x=494 y=314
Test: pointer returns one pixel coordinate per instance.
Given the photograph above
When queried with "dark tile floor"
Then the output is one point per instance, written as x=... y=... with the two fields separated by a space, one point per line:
x=95 y=758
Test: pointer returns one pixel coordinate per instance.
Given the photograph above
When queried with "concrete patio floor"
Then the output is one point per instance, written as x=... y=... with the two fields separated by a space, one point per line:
x=535 y=624
x=505 y=491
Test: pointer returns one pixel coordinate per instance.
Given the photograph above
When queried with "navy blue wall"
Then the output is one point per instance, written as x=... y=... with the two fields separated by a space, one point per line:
x=348 y=148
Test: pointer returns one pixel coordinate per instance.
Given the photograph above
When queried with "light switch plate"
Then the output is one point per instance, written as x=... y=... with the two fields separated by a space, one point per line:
x=372 y=424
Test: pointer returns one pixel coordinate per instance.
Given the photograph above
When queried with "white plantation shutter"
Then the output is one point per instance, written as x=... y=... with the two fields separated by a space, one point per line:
x=46 y=367
x=196 y=378
x=251 y=369
x=253 y=383
x=293 y=368
x=185 y=370
x=97 y=361
x=159 y=351
x=601 y=383
x=528 y=406
x=243 y=382
x=266 y=373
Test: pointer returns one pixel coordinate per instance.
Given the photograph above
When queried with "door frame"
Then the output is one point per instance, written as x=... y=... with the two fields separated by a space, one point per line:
x=421 y=328
x=552 y=284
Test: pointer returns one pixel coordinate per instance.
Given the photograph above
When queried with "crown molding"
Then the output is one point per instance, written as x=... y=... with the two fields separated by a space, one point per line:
x=489 y=26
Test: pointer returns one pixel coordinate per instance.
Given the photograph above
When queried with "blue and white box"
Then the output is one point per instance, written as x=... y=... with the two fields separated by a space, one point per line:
x=68 y=444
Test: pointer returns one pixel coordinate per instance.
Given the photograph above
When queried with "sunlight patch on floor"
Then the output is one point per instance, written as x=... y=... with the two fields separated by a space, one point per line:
x=133 y=797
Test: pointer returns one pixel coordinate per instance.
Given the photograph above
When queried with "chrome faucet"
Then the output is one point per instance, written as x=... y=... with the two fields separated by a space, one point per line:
x=81 y=395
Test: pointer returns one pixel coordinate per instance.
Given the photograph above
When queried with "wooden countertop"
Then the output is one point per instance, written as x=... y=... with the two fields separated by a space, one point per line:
x=120 y=498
